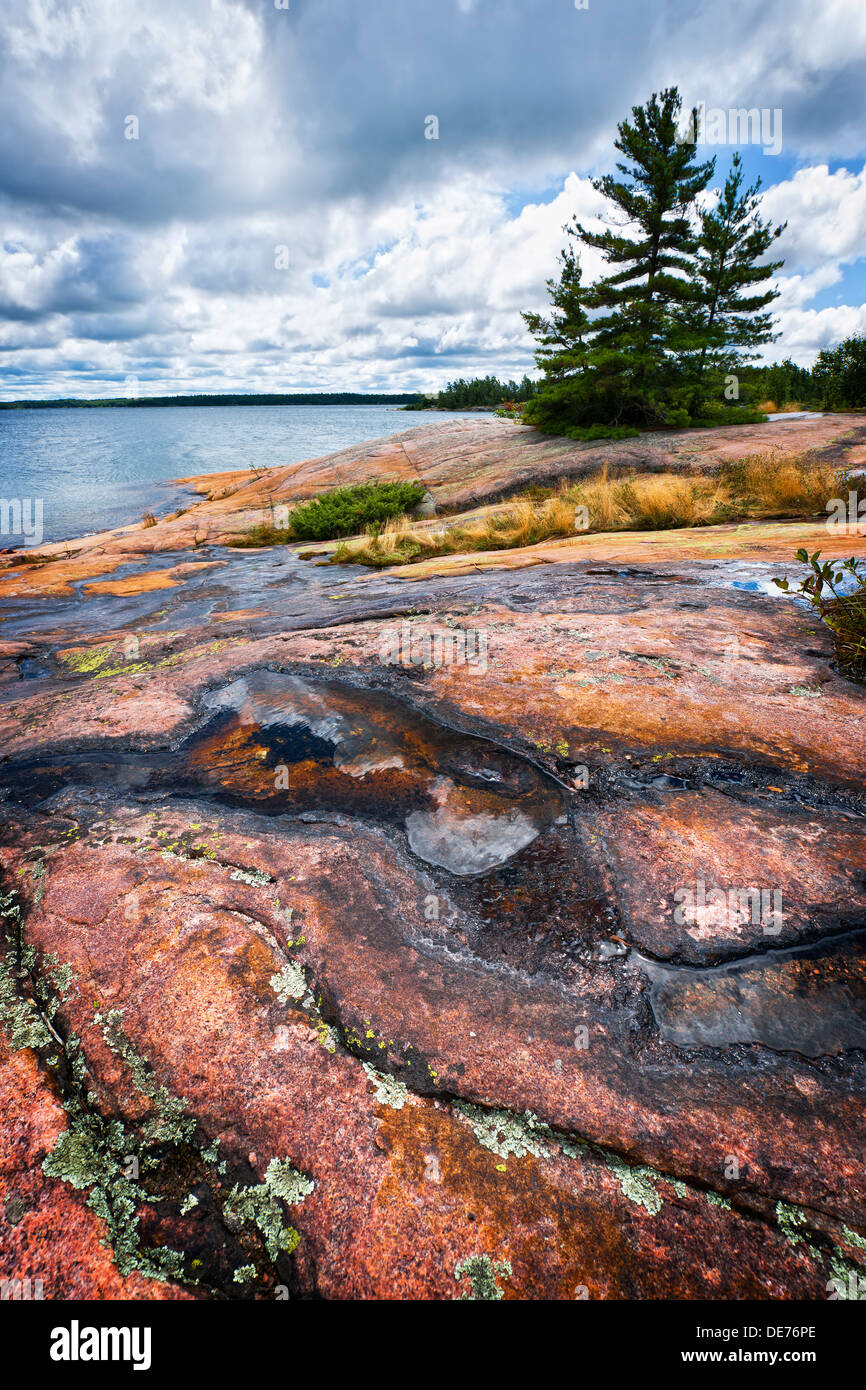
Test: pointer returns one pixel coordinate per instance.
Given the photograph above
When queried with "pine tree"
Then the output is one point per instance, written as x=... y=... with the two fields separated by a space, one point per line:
x=685 y=295
x=728 y=310
x=641 y=330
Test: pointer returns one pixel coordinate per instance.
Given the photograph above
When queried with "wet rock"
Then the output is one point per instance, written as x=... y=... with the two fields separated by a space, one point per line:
x=811 y=999
x=399 y=1188
x=51 y=1245
x=440 y=939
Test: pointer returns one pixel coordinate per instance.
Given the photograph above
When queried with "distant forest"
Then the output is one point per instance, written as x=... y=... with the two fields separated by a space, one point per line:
x=319 y=398
x=464 y=394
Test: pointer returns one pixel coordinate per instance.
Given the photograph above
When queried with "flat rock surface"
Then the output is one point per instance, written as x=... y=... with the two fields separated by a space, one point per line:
x=494 y=935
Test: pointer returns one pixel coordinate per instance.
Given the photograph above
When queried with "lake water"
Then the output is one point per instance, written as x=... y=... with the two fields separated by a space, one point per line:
x=101 y=468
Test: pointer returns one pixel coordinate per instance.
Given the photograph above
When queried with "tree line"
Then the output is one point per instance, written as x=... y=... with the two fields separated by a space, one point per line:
x=837 y=381
x=463 y=394
x=240 y=398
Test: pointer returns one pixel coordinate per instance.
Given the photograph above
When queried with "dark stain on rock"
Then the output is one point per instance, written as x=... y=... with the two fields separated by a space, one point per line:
x=810 y=999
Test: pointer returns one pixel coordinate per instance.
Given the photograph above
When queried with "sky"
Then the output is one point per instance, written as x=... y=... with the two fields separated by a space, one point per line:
x=245 y=195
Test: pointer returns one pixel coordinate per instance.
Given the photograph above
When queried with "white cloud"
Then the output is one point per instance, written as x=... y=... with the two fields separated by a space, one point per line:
x=304 y=128
x=826 y=215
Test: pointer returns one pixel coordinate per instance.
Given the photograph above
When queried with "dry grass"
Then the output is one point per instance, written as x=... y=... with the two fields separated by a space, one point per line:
x=771 y=485
x=770 y=408
x=148 y=519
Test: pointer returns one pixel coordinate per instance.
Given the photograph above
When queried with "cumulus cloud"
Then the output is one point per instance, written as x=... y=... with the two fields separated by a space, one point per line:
x=280 y=220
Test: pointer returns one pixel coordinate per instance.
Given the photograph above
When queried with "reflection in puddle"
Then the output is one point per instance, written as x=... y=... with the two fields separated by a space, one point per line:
x=281 y=745
x=465 y=805
x=809 y=999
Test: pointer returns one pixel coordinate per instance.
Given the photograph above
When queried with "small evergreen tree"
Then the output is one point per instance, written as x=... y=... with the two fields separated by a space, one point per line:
x=620 y=364
x=640 y=331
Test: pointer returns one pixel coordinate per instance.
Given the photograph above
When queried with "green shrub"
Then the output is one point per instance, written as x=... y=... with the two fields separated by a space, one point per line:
x=589 y=432
x=342 y=512
x=347 y=510
x=710 y=418
x=844 y=613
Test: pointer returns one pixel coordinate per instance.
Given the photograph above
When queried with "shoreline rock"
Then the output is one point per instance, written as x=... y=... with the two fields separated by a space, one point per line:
x=373 y=1074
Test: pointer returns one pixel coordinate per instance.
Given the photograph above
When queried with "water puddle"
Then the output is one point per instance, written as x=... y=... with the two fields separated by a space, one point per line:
x=807 y=999
x=283 y=745
x=466 y=806
x=757 y=576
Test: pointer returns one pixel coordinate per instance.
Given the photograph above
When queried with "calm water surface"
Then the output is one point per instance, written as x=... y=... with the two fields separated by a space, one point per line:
x=101 y=468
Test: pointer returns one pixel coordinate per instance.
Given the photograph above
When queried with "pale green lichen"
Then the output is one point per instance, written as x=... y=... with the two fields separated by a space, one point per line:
x=389 y=1091
x=715 y=1199
x=27 y=1017
x=19 y=1016
x=251 y=876
x=38 y=874
x=328 y=1036
x=77 y=1159
x=211 y=1153
x=290 y=982
x=171 y=1121
x=846 y=1281
x=504 y=1133
x=853 y=1238
x=93 y=1153
x=573 y=1147
x=790 y=1220
x=245 y=1274
x=285 y=1181
x=290 y=985
x=638 y=1183
x=259 y=1206
x=482 y=1275
x=188 y=1203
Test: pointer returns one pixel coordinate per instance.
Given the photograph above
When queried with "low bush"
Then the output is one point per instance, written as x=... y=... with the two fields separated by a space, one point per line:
x=844 y=612
x=347 y=510
x=342 y=512
x=589 y=432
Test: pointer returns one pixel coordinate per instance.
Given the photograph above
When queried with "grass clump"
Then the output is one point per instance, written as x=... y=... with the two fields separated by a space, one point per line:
x=770 y=485
x=344 y=511
x=789 y=408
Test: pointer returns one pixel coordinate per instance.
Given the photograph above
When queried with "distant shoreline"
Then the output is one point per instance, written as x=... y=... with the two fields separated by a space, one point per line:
x=294 y=398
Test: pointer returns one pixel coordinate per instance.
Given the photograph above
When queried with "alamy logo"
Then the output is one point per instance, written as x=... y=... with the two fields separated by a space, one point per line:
x=739 y=125
x=20 y=1289
x=22 y=516
x=76 y=1343
x=729 y=907
x=850 y=514
x=853 y=1288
